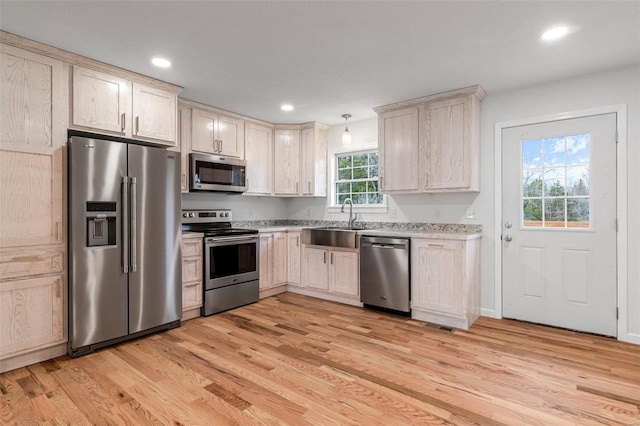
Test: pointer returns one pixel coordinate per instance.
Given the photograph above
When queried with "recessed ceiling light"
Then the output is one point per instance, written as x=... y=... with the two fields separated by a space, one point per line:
x=555 y=33
x=286 y=107
x=161 y=62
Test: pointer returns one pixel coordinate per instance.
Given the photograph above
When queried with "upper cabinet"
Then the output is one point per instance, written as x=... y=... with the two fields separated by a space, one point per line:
x=34 y=98
x=286 y=157
x=314 y=160
x=109 y=104
x=218 y=134
x=431 y=144
x=300 y=160
x=259 y=156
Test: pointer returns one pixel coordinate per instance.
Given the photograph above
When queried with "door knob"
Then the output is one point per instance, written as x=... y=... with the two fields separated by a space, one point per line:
x=508 y=225
x=508 y=238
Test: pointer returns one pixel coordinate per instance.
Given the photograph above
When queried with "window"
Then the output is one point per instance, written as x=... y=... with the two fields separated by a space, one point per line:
x=555 y=182
x=357 y=178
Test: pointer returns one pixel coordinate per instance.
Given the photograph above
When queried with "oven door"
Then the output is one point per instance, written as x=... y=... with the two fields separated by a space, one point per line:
x=209 y=173
x=230 y=260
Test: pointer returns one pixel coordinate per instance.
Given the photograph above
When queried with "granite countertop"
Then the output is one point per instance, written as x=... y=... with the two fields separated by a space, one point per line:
x=421 y=233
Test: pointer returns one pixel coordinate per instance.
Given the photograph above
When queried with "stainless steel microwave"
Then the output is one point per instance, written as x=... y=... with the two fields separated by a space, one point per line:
x=218 y=174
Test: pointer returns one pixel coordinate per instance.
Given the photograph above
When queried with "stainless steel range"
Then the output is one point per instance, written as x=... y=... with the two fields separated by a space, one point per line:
x=231 y=260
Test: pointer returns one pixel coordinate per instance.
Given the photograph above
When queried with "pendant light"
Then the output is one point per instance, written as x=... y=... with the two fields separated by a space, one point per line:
x=346 y=135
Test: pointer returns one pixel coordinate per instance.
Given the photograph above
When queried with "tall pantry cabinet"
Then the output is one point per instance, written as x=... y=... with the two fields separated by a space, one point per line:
x=33 y=119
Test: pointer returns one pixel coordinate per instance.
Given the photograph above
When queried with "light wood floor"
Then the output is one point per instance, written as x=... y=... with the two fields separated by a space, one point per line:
x=292 y=359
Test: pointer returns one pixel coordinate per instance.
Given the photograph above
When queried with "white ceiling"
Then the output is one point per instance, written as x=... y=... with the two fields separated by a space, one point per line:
x=331 y=58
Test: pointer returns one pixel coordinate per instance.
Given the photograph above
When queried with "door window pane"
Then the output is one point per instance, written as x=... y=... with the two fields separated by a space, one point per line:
x=556 y=182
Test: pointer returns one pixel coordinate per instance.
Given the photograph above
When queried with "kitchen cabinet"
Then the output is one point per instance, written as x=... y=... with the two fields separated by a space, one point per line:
x=114 y=105
x=34 y=119
x=192 y=275
x=294 y=249
x=286 y=155
x=184 y=144
x=314 y=160
x=300 y=160
x=445 y=285
x=259 y=157
x=332 y=272
x=398 y=150
x=273 y=263
x=431 y=144
x=218 y=134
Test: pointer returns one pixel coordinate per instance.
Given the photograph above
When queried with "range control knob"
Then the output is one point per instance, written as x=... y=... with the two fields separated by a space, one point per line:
x=185 y=214
x=192 y=214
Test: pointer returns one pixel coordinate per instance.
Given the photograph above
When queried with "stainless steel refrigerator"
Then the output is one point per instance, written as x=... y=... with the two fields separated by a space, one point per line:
x=124 y=241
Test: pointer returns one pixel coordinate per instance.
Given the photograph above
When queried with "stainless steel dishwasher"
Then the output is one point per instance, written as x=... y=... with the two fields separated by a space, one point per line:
x=384 y=272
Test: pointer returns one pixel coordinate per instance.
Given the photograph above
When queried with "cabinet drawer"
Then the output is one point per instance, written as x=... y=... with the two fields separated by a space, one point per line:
x=191 y=295
x=191 y=269
x=32 y=314
x=192 y=247
x=15 y=264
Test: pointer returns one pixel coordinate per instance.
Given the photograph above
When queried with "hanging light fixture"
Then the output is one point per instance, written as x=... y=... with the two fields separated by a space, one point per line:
x=346 y=135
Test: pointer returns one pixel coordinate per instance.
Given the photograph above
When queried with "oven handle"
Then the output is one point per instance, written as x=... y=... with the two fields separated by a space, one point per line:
x=213 y=240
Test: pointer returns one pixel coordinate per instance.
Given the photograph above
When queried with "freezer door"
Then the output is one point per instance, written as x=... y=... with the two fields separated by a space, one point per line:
x=155 y=277
x=97 y=281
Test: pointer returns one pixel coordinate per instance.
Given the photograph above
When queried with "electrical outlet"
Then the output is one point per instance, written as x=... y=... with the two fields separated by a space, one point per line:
x=393 y=213
x=471 y=213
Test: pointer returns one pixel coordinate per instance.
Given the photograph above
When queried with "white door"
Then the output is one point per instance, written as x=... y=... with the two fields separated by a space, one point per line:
x=559 y=223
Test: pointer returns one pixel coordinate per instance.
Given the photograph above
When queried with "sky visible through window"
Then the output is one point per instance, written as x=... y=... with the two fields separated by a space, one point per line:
x=556 y=182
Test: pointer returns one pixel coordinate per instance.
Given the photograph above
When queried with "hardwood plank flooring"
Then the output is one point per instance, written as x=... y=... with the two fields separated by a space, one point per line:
x=296 y=360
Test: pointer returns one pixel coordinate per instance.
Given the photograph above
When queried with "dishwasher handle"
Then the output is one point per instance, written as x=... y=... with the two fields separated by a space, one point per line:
x=384 y=242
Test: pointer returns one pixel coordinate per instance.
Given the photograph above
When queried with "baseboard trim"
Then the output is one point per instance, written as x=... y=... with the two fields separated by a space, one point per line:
x=631 y=338
x=34 y=357
x=491 y=313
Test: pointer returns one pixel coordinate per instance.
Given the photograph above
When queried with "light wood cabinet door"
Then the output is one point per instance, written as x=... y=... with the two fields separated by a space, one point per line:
x=315 y=268
x=191 y=295
x=202 y=131
x=154 y=114
x=31 y=314
x=437 y=276
x=279 y=258
x=445 y=135
x=344 y=272
x=33 y=95
x=286 y=163
x=32 y=199
x=192 y=269
x=308 y=166
x=101 y=102
x=295 y=252
x=266 y=261
x=399 y=150
x=259 y=156
x=184 y=142
x=230 y=136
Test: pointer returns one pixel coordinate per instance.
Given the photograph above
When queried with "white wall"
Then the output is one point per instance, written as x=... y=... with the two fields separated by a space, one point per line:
x=615 y=87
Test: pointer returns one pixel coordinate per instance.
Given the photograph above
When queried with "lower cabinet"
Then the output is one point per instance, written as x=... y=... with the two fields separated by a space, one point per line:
x=330 y=273
x=294 y=248
x=445 y=281
x=192 y=274
x=273 y=263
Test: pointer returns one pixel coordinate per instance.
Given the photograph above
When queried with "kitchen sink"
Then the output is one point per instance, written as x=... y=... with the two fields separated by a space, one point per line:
x=333 y=236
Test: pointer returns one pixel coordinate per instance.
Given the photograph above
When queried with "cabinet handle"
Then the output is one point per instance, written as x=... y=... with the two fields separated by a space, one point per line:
x=297 y=187
x=220 y=145
x=381 y=184
x=331 y=258
x=324 y=257
x=137 y=124
x=435 y=245
x=309 y=186
x=298 y=241
x=123 y=121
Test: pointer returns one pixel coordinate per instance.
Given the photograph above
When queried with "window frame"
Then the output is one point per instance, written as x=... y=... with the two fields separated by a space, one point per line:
x=332 y=205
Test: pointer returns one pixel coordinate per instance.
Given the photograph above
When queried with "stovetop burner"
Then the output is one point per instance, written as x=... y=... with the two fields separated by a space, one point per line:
x=213 y=223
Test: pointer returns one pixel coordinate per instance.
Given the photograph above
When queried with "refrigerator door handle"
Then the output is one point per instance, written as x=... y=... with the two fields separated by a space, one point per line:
x=134 y=225
x=125 y=224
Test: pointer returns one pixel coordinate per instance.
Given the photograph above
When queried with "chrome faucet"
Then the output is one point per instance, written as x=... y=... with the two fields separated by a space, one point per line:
x=352 y=217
